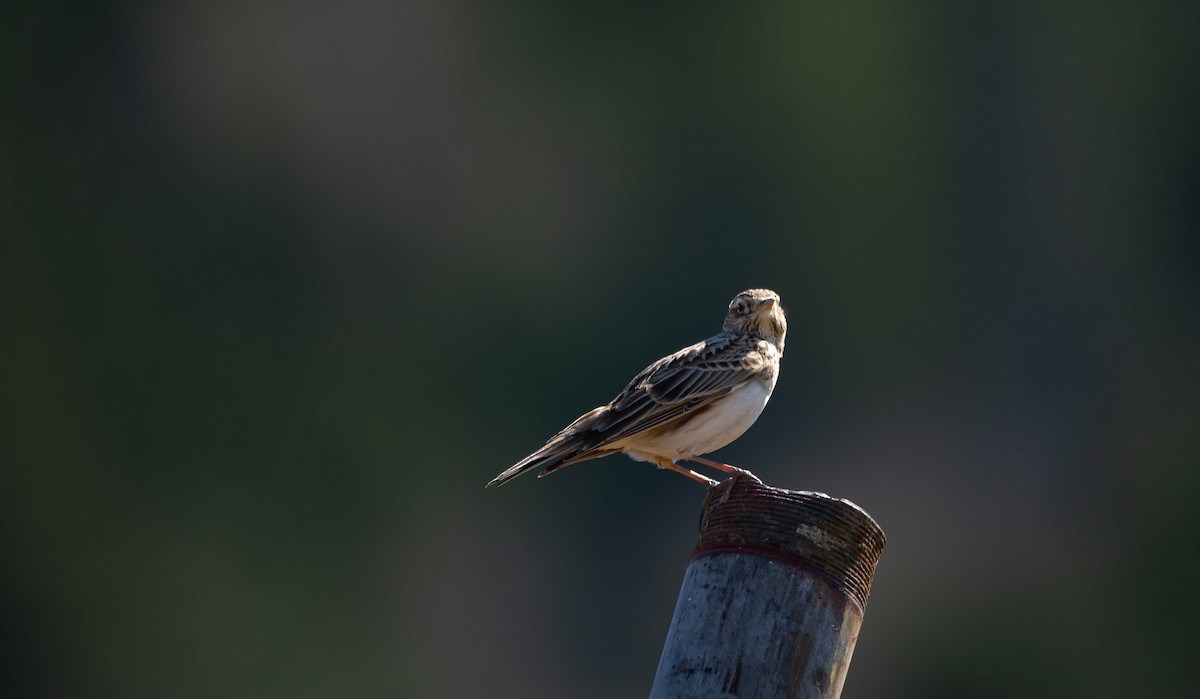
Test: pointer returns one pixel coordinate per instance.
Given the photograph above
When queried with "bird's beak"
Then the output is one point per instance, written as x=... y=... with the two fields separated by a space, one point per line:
x=768 y=303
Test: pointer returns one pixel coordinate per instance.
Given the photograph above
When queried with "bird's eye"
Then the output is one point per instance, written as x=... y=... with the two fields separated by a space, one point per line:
x=739 y=307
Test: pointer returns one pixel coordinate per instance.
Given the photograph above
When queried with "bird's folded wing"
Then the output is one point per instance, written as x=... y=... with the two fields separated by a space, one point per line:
x=675 y=385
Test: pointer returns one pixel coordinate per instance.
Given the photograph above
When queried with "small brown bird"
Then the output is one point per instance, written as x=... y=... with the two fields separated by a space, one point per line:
x=684 y=405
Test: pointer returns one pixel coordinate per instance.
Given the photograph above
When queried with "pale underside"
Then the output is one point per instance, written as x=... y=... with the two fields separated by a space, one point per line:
x=704 y=430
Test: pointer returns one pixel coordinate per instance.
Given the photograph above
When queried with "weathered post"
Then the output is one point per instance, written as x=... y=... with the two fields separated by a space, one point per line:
x=773 y=596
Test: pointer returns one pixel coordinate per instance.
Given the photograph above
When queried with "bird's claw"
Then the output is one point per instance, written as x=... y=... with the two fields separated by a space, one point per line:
x=743 y=473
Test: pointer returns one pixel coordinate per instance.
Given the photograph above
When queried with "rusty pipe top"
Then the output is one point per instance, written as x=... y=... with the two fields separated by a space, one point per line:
x=832 y=537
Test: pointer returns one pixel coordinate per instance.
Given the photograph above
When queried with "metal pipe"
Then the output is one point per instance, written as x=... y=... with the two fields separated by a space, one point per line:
x=773 y=596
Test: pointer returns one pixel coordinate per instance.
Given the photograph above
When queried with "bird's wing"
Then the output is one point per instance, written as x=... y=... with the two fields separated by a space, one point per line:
x=678 y=384
x=667 y=389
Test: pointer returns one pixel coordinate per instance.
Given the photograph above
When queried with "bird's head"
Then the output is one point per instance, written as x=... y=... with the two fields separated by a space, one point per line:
x=758 y=312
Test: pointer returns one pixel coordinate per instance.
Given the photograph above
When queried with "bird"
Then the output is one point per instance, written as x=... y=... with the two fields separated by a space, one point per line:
x=686 y=404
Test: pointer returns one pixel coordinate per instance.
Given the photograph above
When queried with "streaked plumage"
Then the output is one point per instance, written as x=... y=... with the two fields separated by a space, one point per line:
x=684 y=405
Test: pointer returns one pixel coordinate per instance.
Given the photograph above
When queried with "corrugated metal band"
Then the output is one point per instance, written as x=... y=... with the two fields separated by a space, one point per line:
x=833 y=537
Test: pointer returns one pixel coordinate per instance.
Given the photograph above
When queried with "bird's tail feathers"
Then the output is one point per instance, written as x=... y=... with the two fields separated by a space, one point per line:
x=550 y=458
x=569 y=446
x=542 y=457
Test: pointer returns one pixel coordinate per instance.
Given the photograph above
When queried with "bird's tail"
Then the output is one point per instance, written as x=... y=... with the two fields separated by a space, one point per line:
x=565 y=448
x=534 y=461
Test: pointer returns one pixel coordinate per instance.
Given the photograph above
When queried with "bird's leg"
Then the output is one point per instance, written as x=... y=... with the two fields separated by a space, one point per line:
x=732 y=470
x=672 y=466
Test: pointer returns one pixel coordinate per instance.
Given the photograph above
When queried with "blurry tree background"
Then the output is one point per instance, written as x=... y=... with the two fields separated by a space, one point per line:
x=284 y=284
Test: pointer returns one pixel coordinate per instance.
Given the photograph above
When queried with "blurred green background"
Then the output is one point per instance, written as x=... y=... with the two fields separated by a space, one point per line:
x=284 y=284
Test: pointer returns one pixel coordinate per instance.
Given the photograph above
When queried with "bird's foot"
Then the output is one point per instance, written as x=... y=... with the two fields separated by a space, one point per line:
x=748 y=474
x=698 y=477
x=731 y=470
